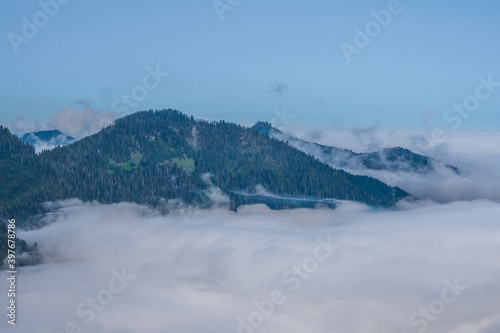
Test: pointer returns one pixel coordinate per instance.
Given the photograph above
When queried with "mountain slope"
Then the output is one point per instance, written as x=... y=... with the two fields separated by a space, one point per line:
x=22 y=176
x=149 y=150
x=153 y=156
x=390 y=159
x=20 y=181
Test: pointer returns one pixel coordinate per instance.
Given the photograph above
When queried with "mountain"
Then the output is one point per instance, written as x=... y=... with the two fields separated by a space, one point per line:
x=390 y=159
x=152 y=157
x=22 y=174
x=19 y=183
x=47 y=139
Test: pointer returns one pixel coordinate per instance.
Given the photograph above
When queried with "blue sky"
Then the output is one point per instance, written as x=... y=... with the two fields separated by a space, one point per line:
x=263 y=55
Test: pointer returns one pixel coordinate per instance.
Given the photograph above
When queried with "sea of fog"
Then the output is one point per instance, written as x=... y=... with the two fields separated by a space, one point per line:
x=423 y=267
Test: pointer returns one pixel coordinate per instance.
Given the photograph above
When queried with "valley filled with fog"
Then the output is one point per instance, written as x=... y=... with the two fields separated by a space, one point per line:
x=423 y=267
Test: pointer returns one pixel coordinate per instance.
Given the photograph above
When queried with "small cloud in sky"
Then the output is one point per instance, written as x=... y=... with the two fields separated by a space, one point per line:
x=20 y=126
x=81 y=123
x=277 y=88
x=83 y=102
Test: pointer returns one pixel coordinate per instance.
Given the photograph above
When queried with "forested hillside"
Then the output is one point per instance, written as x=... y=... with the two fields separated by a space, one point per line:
x=24 y=182
x=153 y=156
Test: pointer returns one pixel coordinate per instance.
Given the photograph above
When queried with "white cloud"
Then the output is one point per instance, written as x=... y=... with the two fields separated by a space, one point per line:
x=199 y=272
x=80 y=123
x=444 y=185
x=21 y=126
x=56 y=141
x=489 y=324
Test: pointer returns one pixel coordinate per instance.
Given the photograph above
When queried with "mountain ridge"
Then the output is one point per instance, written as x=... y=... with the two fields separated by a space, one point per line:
x=151 y=157
x=395 y=159
x=47 y=139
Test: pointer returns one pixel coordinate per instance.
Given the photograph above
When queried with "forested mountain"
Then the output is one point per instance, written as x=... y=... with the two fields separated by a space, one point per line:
x=51 y=138
x=23 y=180
x=153 y=156
x=391 y=159
x=20 y=182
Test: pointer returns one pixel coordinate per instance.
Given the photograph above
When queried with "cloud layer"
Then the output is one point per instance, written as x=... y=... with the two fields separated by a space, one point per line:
x=211 y=271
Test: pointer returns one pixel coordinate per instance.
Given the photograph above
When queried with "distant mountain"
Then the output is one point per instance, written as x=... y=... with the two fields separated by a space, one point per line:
x=391 y=159
x=152 y=157
x=47 y=139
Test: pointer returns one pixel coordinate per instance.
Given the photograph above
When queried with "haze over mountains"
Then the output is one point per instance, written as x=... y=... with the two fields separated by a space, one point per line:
x=395 y=159
x=420 y=175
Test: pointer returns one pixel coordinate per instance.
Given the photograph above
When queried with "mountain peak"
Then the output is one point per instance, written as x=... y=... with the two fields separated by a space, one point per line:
x=264 y=127
x=49 y=137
